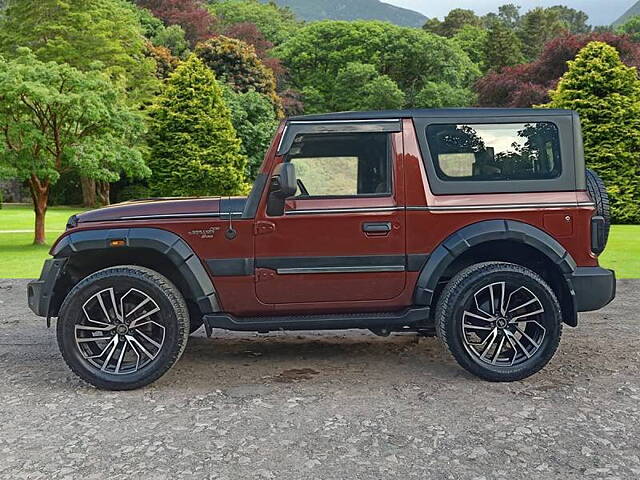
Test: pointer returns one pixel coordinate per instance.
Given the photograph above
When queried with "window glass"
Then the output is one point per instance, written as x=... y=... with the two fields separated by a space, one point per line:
x=341 y=164
x=509 y=151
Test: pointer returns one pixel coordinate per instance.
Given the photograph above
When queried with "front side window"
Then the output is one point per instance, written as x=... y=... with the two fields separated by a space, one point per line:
x=342 y=165
x=509 y=151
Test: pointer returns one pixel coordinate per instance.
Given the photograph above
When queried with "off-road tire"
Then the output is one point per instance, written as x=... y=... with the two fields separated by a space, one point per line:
x=461 y=288
x=173 y=313
x=598 y=193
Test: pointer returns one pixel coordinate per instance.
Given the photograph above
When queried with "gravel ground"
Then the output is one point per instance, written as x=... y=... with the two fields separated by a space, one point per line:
x=325 y=405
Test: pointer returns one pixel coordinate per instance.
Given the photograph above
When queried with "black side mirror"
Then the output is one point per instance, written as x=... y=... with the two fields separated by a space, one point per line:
x=283 y=185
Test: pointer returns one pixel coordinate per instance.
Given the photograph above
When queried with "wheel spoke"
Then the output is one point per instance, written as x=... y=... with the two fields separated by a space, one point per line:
x=493 y=335
x=517 y=340
x=105 y=365
x=95 y=329
x=476 y=327
x=148 y=339
x=497 y=355
x=142 y=317
x=135 y=343
x=474 y=315
x=93 y=339
x=533 y=342
x=121 y=357
x=525 y=315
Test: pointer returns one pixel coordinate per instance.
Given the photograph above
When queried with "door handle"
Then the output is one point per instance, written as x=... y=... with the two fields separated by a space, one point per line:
x=376 y=227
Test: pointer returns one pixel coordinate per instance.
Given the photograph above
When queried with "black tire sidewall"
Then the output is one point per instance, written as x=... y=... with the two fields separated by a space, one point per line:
x=172 y=315
x=451 y=313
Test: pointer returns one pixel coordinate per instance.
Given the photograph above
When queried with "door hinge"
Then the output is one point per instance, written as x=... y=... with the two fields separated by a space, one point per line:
x=263 y=228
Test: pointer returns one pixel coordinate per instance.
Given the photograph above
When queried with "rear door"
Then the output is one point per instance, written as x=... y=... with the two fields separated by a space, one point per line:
x=342 y=237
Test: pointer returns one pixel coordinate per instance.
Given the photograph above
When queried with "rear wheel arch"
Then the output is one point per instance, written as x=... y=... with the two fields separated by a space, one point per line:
x=159 y=250
x=500 y=241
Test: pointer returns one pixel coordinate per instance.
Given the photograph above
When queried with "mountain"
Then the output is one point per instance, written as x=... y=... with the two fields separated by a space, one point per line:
x=353 y=10
x=634 y=10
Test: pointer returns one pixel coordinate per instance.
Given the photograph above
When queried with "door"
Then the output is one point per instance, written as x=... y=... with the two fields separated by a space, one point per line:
x=342 y=236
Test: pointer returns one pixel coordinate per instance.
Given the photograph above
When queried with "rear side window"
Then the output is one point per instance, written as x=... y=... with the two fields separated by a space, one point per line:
x=497 y=151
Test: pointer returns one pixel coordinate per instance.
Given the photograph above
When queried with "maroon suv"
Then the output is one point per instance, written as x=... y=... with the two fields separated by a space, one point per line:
x=479 y=226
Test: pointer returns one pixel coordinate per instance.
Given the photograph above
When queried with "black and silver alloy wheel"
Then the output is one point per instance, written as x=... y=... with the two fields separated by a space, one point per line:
x=121 y=332
x=501 y=325
x=501 y=321
x=123 y=327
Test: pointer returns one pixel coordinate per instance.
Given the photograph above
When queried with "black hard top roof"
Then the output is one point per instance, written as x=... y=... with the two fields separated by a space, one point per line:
x=422 y=113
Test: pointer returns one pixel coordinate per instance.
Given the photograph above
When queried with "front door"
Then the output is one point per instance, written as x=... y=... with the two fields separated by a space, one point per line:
x=342 y=237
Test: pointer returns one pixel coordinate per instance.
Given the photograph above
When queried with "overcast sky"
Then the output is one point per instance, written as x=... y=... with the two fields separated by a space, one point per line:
x=601 y=12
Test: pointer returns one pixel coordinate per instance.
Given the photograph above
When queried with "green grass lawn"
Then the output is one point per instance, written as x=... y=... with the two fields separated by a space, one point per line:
x=19 y=258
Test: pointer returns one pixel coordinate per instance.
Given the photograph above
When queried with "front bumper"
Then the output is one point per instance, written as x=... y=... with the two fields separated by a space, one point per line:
x=594 y=287
x=40 y=292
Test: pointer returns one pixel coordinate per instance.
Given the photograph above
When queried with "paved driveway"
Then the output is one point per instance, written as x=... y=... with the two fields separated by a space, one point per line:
x=327 y=406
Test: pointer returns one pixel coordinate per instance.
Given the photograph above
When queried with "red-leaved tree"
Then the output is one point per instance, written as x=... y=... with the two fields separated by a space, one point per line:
x=529 y=84
x=191 y=15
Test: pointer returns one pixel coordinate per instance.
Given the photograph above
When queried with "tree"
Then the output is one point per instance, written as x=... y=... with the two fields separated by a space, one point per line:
x=529 y=84
x=456 y=19
x=502 y=48
x=166 y=63
x=360 y=87
x=173 y=38
x=510 y=15
x=55 y=119
x=80 y=34
x=191 y=15
x=277 y=24
x=537 y=27
x=631 y=27
x=410 y=57
x=194 y=147
x=442 y=95
x=472 y=41
x=255 y=121
x=250 y=34
x=236 y=63
x=606 y=94
x=574 y=20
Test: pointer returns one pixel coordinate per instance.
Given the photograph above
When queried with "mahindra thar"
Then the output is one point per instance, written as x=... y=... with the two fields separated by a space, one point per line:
x=480 y=226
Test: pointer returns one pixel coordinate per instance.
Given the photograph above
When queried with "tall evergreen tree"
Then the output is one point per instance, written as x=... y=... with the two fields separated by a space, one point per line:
x=606 y=94
x=536 y=28
x=194 y=147
x=502 y=49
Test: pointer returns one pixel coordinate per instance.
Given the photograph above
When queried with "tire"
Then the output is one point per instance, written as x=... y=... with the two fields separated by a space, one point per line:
x=110 y=350
x=463 y=325
x=598 y=193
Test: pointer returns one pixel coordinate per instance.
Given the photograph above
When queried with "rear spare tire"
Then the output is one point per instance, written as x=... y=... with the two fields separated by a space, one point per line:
x=598 y=193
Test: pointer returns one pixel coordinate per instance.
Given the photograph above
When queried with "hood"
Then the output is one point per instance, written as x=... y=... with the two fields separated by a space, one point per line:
x=159 y=208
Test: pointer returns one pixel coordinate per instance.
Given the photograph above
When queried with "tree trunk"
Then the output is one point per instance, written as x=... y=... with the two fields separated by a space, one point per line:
x=40 y=197
x=88 y=192
x=103 y=189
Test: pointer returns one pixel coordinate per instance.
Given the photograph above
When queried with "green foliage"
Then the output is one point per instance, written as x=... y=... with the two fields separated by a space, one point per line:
x=235 y=63
x=574 y=20
x=456 y=20
x=194 y=147
x=172 y=38
x=360 y=87
x=502 y=49
x=276 y=23
x=536 y=28
x=150 y=24
x=472 y=41
x=606 y=94
x=134 y=191
x=255 y=121
x=318 y=52
x=80 y=34
x=631 y=27
x=57 y=118
x=442 y=95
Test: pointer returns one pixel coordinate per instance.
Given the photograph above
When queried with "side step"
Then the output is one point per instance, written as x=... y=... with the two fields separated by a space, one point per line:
x=411 y=317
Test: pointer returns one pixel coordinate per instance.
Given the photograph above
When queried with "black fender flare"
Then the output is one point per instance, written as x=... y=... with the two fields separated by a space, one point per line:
x=166 y=243
x=486 y=231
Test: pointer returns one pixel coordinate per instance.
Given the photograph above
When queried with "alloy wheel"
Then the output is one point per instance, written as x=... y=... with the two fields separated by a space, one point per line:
x=120 y=331
x=503 y=324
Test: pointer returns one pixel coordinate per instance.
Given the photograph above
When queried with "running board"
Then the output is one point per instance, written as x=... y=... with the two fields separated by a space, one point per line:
x=411 y=317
